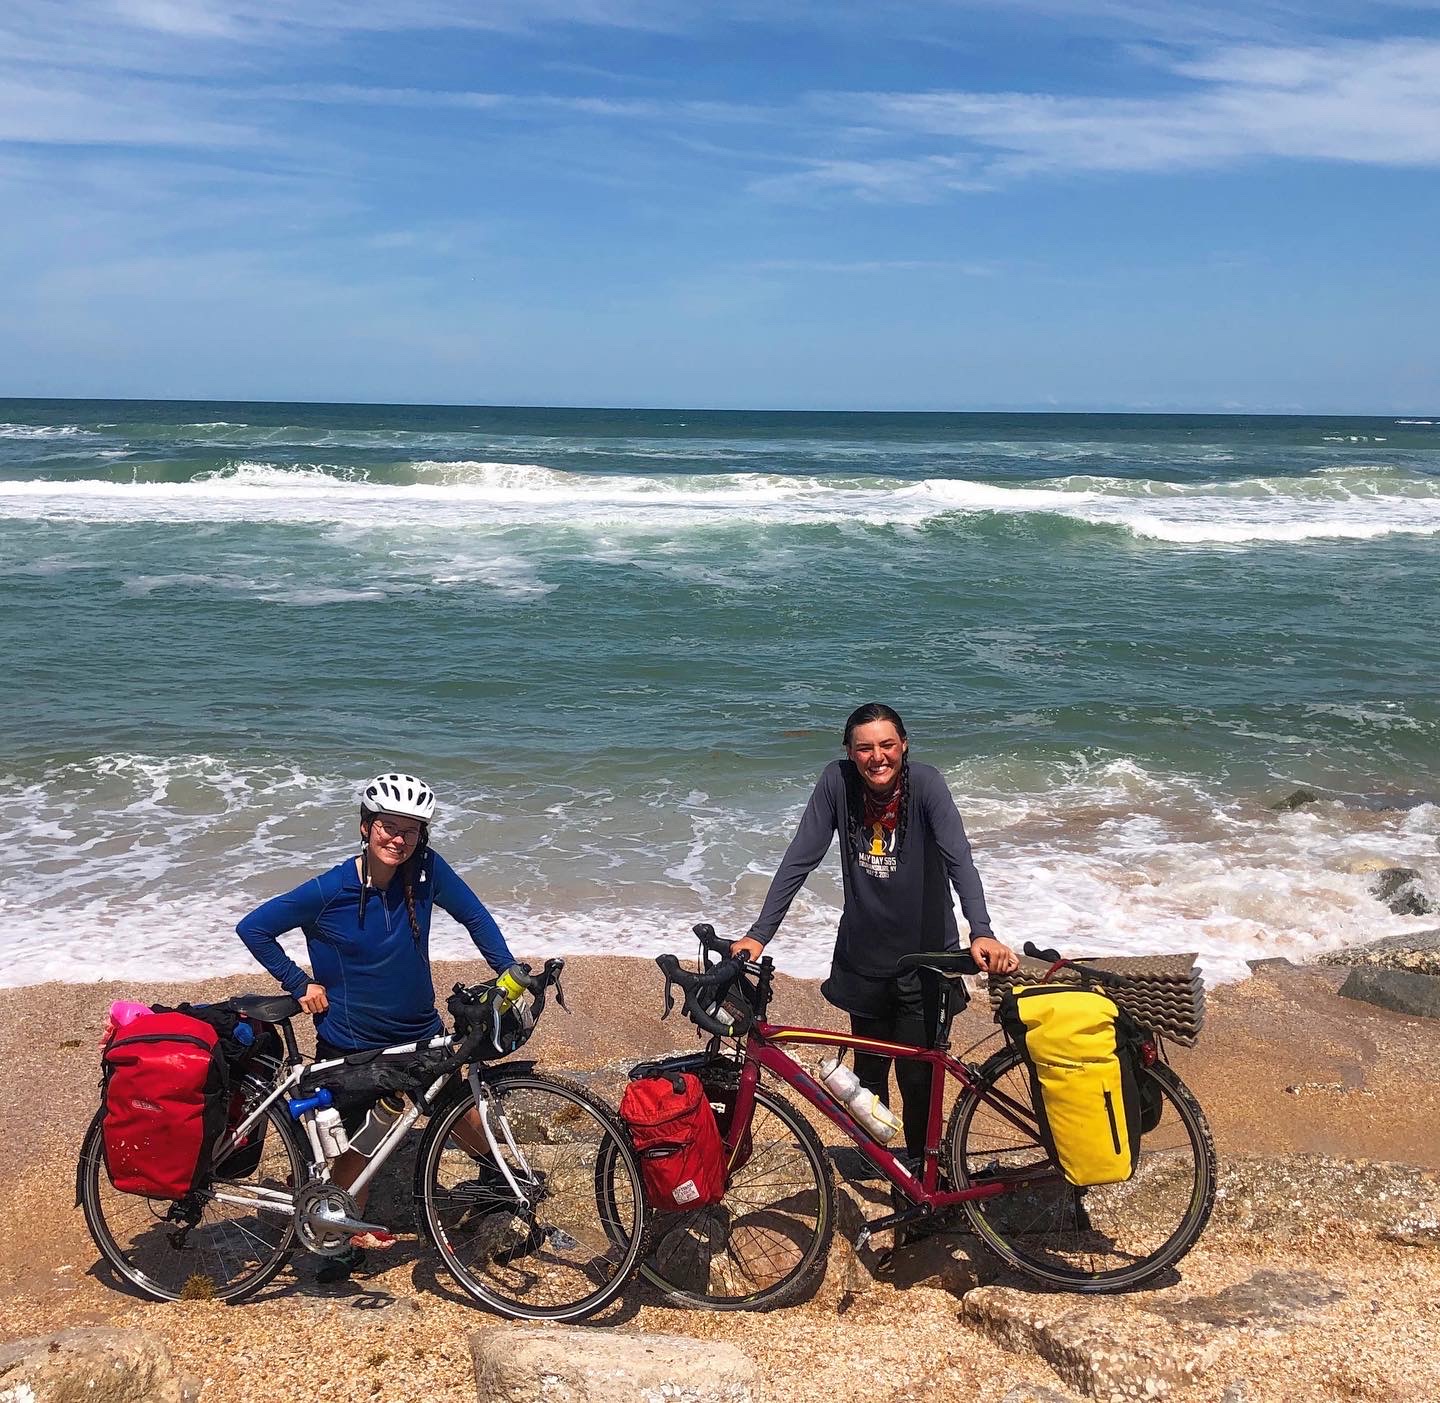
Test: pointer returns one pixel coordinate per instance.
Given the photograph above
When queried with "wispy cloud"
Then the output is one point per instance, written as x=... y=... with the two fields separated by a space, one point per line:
x=1372 y=103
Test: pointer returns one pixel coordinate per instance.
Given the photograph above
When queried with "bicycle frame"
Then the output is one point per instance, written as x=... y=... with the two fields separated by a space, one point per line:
x=764 y=1050
x=282 y=1202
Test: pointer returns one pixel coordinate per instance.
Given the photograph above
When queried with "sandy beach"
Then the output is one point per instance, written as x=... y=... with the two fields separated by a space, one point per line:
x=1317 y=1104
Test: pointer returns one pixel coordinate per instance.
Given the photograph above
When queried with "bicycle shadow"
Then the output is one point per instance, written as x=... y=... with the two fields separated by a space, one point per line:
x=429 y=1277
x=945 y=1254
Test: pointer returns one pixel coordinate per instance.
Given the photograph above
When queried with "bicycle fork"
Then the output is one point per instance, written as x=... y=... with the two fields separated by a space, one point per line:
x=484 y=1105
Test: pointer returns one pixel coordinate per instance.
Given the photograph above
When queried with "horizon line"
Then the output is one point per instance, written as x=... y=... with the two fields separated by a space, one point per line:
x=729 y=409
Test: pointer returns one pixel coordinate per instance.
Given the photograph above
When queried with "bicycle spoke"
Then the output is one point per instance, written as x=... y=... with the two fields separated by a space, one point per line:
x=1102 y=1237
x=570 y=1242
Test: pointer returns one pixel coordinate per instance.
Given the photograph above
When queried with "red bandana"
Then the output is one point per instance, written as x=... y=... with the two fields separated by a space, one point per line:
x=886 y=813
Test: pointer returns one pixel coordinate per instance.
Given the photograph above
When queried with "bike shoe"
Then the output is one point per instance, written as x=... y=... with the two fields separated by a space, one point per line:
x=337 y=1269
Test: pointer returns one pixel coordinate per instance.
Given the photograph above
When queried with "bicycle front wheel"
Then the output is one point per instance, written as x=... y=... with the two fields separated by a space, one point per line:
x=765 y=1243
x=565 y=1245
x=1109 y=1237
x=217 y=1243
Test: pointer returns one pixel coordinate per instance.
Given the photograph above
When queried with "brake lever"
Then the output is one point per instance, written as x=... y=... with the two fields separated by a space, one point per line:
x=669 y=1001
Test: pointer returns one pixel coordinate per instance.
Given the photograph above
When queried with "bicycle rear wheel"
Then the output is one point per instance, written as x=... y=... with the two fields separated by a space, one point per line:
x=764 y=1244
x=200 y=1247
x=568 y=1247
x=1105 y=1238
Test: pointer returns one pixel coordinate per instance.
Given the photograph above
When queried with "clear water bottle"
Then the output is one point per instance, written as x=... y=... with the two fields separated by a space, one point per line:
x=863 y=1104
x=331 y=1130
x=383 y=1114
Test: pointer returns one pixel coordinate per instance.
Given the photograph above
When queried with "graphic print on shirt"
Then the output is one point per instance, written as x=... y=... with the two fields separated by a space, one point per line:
x=875 y=849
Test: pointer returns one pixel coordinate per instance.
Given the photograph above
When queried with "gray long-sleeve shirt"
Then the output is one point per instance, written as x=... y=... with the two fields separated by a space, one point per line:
x=888 y=912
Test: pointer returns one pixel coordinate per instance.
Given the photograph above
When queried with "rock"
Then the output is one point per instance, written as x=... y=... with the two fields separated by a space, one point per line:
x=98 y=1365
x=1104 y=1351
x=944 y=1261
x=1420 y=1229
x=1399 y=888
x=1419 y=952
x=1266 y=1298
x=556 y=1364
x=1271 y=962
x=1417 y=995
x=1320 y=1200
x=1296 y=799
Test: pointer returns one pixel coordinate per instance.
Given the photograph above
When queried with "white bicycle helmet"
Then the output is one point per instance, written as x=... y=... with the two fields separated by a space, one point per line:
x=399 y=794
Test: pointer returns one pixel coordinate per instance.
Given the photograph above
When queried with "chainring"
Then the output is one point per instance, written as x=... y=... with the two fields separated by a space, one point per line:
x=315 y=1205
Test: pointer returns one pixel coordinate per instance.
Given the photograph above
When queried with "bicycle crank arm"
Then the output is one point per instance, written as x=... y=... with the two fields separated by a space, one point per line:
x=890 y=1220
x=351 y=1225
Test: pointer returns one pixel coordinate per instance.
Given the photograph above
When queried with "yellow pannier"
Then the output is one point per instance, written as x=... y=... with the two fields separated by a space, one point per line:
x=1081 y=1051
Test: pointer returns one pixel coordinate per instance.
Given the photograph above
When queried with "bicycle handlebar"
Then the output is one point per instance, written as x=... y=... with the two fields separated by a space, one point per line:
x=1055 y=959
x=718 y=977
x=536 y=985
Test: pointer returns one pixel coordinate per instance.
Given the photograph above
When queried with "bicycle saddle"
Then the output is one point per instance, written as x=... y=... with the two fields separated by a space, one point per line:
x=949 y=963
x=265 y=1008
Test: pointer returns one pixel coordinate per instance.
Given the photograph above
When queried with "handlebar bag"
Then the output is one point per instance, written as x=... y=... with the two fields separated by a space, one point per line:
x=1082 y=1054
x=164 y=1100
x=673 y=1129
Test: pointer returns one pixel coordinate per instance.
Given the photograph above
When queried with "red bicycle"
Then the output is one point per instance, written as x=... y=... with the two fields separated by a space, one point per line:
x=765 y=1244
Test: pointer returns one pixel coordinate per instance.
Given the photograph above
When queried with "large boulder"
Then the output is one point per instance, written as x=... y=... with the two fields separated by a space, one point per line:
x=1400 y=889
x=1140 y=1348
x=1099 y=1350
x=1399 y=990
x=556 y=1364
x=94 y=1365
x=1418 y=952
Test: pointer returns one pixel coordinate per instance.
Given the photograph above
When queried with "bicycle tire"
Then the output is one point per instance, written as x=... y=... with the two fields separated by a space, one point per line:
x=508 y=1260
x=223 y=1257
x=1112 y=1237
x=704 y=1241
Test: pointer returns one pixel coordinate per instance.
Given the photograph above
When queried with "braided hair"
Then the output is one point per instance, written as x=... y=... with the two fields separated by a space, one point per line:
x=408 y=869
x=855 y=790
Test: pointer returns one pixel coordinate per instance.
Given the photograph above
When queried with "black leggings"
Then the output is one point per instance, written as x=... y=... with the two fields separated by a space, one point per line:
x=912 y=1074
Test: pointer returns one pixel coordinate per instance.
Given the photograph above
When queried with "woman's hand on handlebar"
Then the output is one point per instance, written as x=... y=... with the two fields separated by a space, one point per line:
x=314 y=999
x=747 y=948
x=993 y=957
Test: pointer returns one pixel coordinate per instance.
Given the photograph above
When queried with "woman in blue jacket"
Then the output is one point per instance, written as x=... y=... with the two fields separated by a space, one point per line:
x=367 y=929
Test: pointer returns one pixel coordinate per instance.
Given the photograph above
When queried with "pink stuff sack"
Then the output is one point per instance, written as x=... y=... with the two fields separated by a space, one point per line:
x=122 y=1011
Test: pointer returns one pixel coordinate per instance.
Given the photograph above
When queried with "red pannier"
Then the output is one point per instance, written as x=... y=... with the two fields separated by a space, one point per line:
x=672 y=1127
x=166 y=1093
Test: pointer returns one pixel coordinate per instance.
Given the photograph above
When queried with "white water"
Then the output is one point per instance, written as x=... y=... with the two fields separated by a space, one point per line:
x=1352 y=503
x=136 y=867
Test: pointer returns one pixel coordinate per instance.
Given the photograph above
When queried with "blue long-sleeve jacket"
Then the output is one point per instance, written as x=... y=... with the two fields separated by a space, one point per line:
x=376 y=976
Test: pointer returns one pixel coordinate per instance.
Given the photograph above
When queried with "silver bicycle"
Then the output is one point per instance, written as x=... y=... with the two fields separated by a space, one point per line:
x=525 y=1184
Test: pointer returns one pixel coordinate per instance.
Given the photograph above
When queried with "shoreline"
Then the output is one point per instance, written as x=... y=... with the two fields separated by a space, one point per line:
x=1317 y=1105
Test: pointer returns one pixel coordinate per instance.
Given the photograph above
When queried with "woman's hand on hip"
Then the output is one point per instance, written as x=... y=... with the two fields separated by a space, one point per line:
x=747 y=949
x=993 y=957
x=313 y=1000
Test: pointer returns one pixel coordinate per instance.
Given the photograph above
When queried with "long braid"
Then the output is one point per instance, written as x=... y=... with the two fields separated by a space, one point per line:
x=412 y=864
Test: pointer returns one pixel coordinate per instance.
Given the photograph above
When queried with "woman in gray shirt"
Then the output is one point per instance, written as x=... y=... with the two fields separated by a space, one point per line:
x=902 y=848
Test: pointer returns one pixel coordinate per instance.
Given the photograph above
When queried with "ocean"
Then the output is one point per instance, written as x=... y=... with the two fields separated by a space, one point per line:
x=621 y=645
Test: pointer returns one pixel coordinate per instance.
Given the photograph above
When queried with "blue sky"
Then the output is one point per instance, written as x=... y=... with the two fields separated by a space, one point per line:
x=1078 y=204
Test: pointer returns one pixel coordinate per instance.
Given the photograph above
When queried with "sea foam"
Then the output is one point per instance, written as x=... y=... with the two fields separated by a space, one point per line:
x=147 y=863
x=1355 y=504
